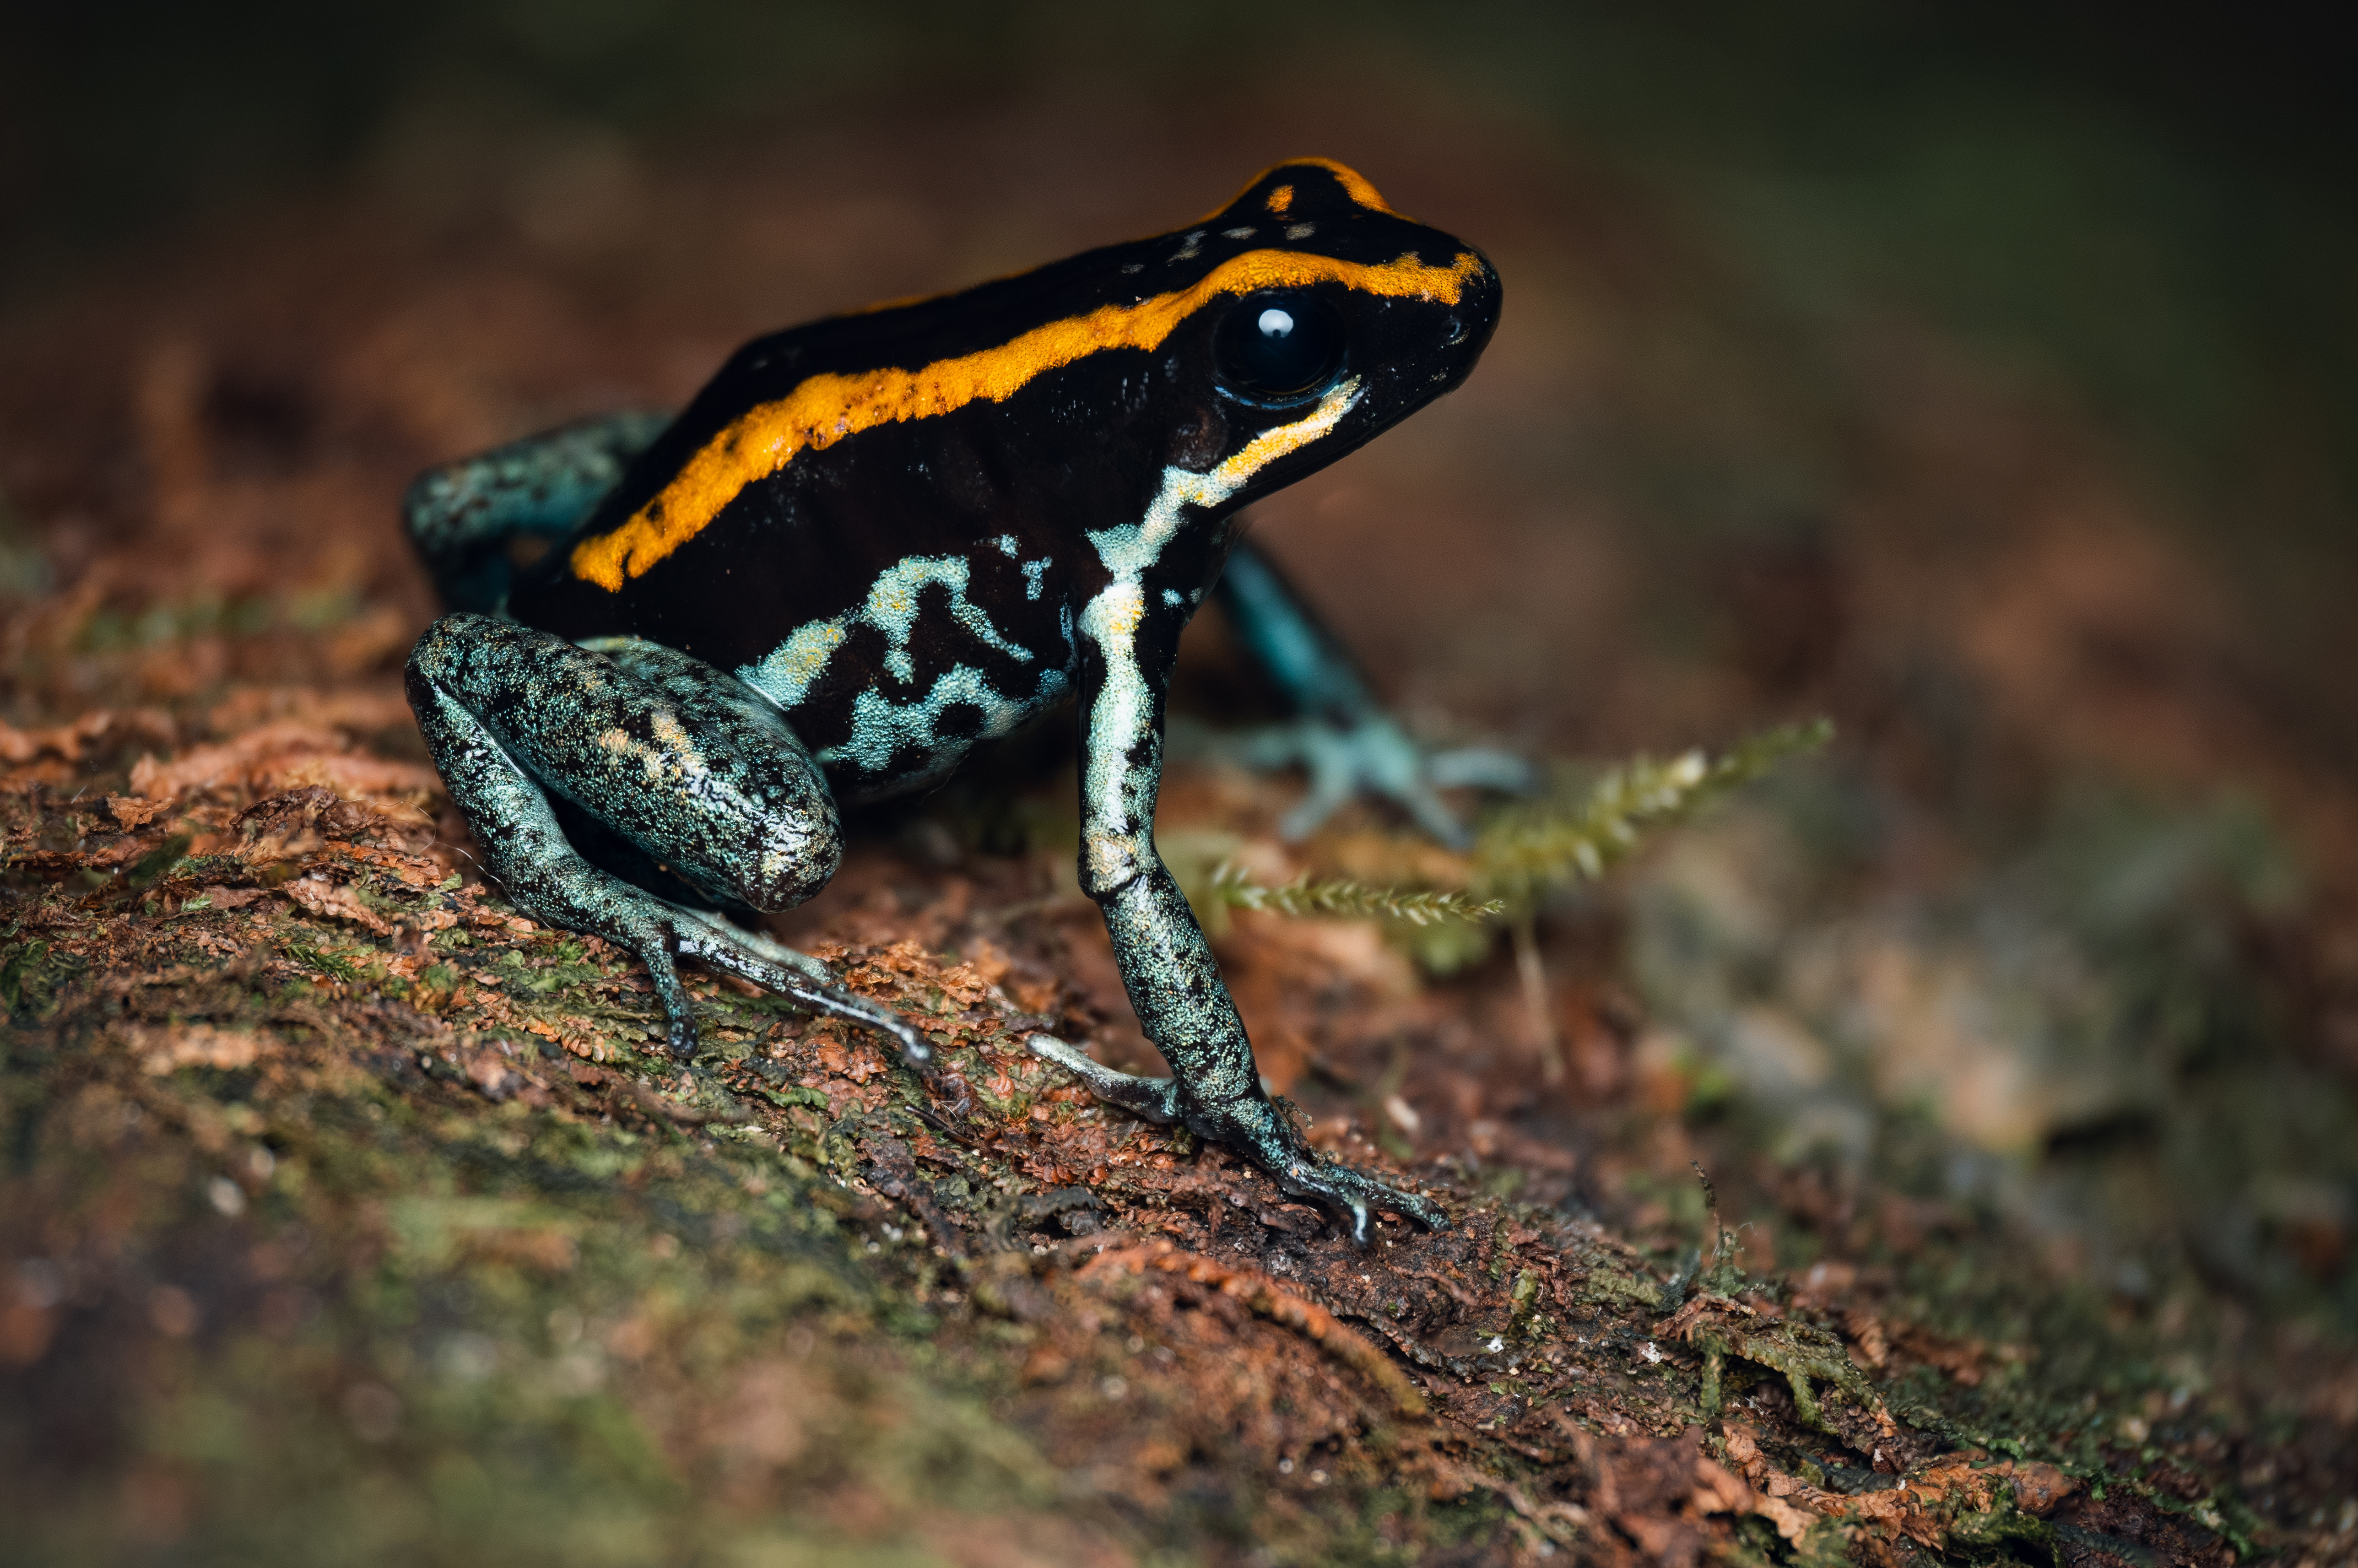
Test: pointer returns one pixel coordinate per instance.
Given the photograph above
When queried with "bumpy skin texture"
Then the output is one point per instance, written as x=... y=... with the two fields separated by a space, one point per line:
x=875 y=540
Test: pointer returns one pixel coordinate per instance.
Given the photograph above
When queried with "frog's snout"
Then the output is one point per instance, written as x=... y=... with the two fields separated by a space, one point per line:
x=1461 y=328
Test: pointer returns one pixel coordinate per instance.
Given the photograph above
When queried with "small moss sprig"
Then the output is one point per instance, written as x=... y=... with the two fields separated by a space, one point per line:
x=1341 y=898
x=1524 y=852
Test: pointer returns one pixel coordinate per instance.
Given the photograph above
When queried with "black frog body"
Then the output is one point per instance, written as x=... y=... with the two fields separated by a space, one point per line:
x=872 y=541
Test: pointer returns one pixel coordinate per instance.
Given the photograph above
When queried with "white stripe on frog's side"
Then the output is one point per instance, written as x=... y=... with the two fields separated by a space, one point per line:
x=882 y=728
x=1117 y=791
x=787 y=674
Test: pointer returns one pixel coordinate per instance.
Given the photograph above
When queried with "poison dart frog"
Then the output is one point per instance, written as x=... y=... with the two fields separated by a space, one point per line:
x=876 y=540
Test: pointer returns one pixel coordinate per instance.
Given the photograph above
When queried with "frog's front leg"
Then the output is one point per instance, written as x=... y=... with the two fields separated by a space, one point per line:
x=1166 y=965
x=1341 y=736
x=670 y=756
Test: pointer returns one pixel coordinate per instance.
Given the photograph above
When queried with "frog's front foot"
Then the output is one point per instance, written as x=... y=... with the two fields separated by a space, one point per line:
x=1376 y=757
x=1256 y=1125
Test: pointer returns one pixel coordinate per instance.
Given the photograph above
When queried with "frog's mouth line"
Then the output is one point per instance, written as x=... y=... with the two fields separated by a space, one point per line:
x=1130 y=549
x=827 y=409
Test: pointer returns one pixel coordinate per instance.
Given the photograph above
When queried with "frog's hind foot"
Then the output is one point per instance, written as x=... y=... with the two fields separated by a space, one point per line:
x=717 y=944
x=1374 y=758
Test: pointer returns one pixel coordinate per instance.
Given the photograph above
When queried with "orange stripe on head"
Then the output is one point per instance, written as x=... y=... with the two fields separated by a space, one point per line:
x=825 y=409
x=1354 y=185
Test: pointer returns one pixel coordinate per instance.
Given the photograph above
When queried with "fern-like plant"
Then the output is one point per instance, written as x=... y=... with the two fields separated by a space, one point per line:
x=1526 y=851
x=1522 y=854
x=1339 y=897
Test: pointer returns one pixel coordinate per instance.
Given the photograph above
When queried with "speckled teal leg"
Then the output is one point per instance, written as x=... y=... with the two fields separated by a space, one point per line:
x=1342 y=737
x=462 y=516
x=674 y=757
x=1128 y=631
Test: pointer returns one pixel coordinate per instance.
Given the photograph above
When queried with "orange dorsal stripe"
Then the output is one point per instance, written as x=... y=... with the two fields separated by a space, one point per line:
x=825 y=409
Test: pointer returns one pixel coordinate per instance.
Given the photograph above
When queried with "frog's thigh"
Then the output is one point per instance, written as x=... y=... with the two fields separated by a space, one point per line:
x=678 y=758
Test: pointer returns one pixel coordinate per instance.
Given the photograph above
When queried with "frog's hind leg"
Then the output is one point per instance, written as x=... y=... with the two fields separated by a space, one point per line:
x=673 y=756
x=462 y=516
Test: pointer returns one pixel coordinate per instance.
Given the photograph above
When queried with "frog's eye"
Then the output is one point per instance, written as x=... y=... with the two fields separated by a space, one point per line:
x=1278 y=346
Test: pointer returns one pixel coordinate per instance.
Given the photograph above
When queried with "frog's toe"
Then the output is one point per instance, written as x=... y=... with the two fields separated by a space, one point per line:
x=651 y=941
x=1481 y=767
x=1156 y=1099
x=1329 y=793
x=682 y=1038
x=1352 y=1190
x=796 y=976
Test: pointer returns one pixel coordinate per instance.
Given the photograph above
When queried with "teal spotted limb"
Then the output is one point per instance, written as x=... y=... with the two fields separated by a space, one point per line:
x=711 y=788
x=462 y=517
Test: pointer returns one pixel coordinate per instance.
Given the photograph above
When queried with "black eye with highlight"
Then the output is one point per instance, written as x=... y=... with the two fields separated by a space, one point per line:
x=1278 y=346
